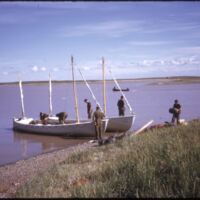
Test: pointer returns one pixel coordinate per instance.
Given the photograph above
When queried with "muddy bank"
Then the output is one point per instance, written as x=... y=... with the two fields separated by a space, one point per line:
x=13 y=176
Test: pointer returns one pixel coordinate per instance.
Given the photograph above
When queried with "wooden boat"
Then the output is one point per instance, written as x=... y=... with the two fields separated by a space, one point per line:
x=71 y=128
x=118 y=90
x=117 y=123
x=120 y=124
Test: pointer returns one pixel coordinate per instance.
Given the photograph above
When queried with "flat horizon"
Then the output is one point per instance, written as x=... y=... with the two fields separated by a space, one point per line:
x=99 y=80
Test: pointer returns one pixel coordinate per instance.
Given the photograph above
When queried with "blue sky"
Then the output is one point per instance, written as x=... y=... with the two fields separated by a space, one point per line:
x=137 y=39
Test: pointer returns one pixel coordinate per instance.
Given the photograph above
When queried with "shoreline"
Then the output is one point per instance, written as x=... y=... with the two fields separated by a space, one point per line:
x=14 y=175
x=155 y=80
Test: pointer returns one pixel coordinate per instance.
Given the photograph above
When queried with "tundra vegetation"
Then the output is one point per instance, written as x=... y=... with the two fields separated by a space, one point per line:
x=156 y=163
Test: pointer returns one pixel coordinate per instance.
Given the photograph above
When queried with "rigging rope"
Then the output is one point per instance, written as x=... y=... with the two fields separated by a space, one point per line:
x=129 y=106
x=90 y=90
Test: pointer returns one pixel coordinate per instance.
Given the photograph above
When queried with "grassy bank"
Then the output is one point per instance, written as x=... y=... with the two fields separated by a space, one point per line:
x=157 y=163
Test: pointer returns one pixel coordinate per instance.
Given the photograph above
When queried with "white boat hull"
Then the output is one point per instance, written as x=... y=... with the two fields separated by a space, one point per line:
x=120 y=123
x=69 y=129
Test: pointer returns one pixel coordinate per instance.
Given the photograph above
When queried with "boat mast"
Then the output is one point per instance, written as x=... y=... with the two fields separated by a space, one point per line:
x=74 y=90
x=50 y=96
x=93 y=96
x=104 y=86
x=115 y=80
x=22 y=99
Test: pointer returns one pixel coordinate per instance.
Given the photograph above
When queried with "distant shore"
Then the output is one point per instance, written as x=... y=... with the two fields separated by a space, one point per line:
x=152 y=80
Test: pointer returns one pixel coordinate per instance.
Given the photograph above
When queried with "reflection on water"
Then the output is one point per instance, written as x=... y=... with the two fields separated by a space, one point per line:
x=149 y=102
x=47 y=143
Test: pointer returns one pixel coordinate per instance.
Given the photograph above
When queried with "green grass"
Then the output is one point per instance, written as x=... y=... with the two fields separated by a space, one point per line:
x=157 y=163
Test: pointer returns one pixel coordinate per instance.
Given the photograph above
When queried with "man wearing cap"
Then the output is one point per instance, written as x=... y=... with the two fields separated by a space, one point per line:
x=97 y=118
x=89 y=108
x=176 y=112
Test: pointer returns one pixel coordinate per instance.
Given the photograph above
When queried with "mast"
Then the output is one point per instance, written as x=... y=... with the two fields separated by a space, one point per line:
x=115 y=80
x=104 y=86
x=22 y=99
x=93 y=96
x=74 y=90
x=50 y=96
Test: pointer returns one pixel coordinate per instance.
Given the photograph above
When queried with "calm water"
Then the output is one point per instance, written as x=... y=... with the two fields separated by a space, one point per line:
x=149 y=102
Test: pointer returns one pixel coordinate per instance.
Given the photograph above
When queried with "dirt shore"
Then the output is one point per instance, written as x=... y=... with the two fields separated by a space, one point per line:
x=13 y=176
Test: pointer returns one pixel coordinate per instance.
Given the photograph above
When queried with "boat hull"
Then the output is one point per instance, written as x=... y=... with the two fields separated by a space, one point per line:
x=70 y=129
x=120 y=124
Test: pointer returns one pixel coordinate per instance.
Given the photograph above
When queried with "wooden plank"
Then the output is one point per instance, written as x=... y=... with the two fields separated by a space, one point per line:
x=143 y=127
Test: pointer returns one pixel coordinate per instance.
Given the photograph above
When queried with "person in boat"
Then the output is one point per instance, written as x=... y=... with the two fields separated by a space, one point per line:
x=44 y=117
x=89 y=108
x=61 y=117
x=114 y=88
x=121 y=106
x=97 y=118
x=176 y=111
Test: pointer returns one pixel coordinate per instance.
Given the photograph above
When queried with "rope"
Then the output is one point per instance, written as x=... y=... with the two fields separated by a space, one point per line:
x=129 y=106
x=90 y=90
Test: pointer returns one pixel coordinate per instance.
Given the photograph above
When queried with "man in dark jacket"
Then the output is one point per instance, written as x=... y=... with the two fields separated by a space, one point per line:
x=176 y=112
x=44 y=117
x=97 y=118
x=89 y=108
x=61 y=117
x=121 y=106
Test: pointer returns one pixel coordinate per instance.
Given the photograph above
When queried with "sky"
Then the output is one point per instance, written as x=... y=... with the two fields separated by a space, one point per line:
x=137 y=39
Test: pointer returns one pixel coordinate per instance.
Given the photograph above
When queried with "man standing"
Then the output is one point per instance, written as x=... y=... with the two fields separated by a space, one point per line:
x=97 y=118
x=89 y=108
x=121 y=106
x=176 y=112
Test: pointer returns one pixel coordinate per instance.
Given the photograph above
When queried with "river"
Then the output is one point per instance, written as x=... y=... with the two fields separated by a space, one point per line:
x=150 y=100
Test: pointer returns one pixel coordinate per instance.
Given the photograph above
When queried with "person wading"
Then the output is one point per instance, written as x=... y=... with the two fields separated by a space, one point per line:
x=121 y=106
x=97 y=118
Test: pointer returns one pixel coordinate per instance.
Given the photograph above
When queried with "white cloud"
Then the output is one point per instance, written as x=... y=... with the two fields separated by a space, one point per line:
x=189 y=49
x=55 y=69
x=86 y=68
x=43 y=69
x=45 y=5
x=108 y=28
x=35 y=68
x=5 y=73
x=171 y=26
x=149 y=43
x=153 y=67
x=174 y=61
